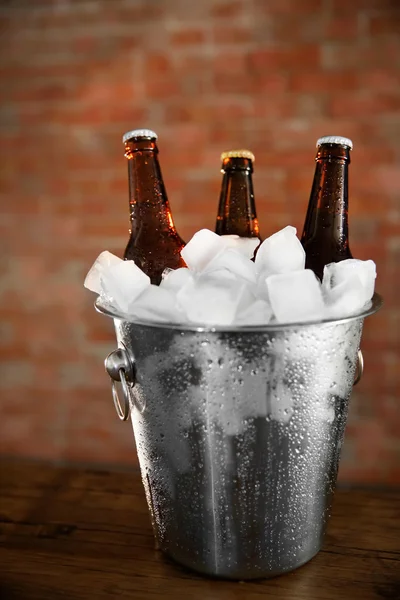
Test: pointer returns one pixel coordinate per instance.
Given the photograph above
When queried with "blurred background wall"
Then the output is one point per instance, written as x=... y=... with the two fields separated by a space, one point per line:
x=269 y=75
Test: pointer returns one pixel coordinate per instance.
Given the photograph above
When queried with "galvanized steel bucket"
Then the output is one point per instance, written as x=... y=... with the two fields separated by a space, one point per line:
x=238 y=433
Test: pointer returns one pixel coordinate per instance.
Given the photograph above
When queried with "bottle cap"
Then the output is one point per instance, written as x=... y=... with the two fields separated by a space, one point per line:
x=238 y=154
x=139 y=133
x=335 y=139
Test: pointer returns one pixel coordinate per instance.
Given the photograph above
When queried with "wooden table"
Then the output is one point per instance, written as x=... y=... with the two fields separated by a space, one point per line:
x=85 y=534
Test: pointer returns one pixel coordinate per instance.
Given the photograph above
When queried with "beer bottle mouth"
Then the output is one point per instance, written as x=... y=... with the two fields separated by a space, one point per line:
x=238 y=154
x=139 y=133
x=335 y=139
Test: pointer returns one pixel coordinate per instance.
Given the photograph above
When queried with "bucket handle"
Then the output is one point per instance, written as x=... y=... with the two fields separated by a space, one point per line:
x=359 y=368
x=120 y=366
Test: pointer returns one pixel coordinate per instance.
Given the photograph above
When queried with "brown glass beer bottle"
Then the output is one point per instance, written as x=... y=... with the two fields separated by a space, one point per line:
x=325 y=235
x=154 y=243
x=237 y=212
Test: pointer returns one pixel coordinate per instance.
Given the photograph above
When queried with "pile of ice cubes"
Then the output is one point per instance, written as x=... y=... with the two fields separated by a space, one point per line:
x=223 y=286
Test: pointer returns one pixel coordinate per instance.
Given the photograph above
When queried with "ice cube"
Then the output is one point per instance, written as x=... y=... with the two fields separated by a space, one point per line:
x=258 y=312
x=218 y=275
x=118 y=282
x=296 y=296
x=213 y=302
x=282 y=252
x=342 y=272
x=122 y=283
x=202 y=248
x=246 y=246
x=234 y=262
x=346 y=298
x=261 y=286
x=157 y=303
x=103 y=263
x=174 y=279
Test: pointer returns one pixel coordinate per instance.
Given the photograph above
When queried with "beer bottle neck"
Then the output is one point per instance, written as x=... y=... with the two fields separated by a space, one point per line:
x=325 y=236
x=329 y=193
x=148 y=200
x=237 y=212
x=330 y=186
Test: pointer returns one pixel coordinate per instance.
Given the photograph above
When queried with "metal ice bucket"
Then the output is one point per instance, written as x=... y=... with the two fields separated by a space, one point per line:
x=238 y=433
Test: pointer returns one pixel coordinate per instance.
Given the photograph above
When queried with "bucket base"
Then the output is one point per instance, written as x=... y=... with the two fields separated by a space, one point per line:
x=237 y=574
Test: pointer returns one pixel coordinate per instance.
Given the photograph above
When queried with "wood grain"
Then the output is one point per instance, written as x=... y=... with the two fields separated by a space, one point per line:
x=83 y=534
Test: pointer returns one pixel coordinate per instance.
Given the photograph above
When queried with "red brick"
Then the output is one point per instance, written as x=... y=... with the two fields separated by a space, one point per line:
x=358 y=56
x=98 y=227
x=365 y=105
x=14 y=351
x=375 y=330
x=285 y=158
x=179 y=113
x=229 y=83
x=5 y=23
x=285 y=58
x=390 y=227
x=385 y=24
x=189 y=63
x=341 y=27
x=384 y=80
x=371 y=178
x=162 y=88
x=124 y=112
x=365 y=203
x=187 y=37
x=259 y=60
x=286 y=27
x=101 y=334
x=269 y=83
x=270 y=193
x=225 y=9
x=40 y=429
x=135 y=12
x=100 y=439
x=317 y=81
x=156 y=64
x=232 y=109
x=232 y=34
x=86 y=44
x=233 y=62
x=201 y=112
x=338 y=6
x=388 y=179
x=288 y=6
x=27 y=205
x=51 y=92
x=277 y=106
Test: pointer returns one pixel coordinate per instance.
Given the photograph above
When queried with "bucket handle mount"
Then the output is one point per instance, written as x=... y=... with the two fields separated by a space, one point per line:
x=120 y=366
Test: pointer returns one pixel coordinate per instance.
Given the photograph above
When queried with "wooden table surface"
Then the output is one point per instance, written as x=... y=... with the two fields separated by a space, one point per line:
x=85 y=534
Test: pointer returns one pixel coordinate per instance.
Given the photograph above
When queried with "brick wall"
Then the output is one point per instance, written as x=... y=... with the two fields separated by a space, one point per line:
x=272 y=75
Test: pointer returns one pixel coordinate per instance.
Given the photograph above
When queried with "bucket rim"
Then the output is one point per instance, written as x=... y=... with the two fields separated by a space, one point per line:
x=374 y=305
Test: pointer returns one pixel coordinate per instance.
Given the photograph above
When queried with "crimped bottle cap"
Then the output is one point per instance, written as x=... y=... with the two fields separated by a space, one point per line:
x=137 y=133
x=238 y=154
x=335 y=139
